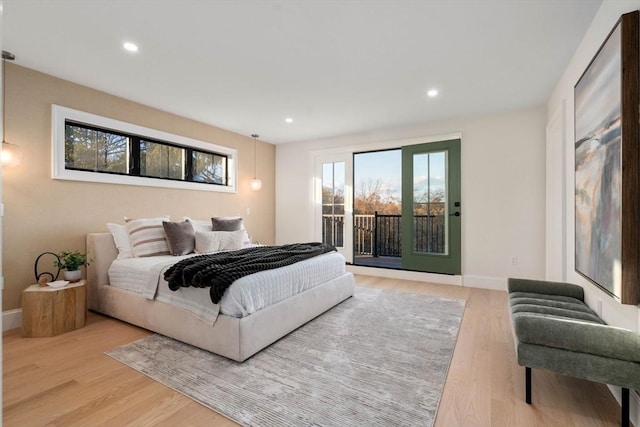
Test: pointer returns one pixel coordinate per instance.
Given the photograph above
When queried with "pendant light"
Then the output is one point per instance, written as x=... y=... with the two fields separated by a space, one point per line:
x=11 y=154
x=256 y=184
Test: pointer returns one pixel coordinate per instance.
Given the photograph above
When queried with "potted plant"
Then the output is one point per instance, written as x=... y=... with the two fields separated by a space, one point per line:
x=70 y=262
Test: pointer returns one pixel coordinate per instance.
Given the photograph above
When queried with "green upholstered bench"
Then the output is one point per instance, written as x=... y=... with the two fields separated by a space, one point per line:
x=554 y=329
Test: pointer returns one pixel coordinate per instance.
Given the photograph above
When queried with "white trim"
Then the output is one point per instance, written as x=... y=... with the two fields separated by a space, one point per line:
x=11 y=319
x=484 y=282
x=347 y=247
x=58 y=116
x=417 y=276
x=481 y=282
x=556 y=197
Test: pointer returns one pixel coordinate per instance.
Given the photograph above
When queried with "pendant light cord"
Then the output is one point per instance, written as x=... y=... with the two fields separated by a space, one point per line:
x=4 y=113
x=10 y=56
x=255 y=154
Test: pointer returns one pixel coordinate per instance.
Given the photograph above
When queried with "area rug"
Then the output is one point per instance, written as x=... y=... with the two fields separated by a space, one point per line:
x=379 y=358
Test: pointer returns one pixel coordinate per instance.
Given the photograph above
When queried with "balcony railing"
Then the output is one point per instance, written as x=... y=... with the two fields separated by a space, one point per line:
x=381 y=235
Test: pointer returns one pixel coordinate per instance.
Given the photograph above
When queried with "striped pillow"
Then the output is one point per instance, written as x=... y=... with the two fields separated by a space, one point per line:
x=147 y=237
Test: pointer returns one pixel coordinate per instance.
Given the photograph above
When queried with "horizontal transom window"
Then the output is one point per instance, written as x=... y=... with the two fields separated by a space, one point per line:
x=98 y=149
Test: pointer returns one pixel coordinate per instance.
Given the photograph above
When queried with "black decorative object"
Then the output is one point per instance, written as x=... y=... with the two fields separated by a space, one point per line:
x=45 y=273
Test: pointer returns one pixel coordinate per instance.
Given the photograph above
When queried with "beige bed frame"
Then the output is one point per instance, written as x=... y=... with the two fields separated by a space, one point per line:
x=231 y=337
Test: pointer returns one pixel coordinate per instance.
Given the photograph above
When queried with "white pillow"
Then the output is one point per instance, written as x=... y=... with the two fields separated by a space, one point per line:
x=213 y=241
x=205 y=225
x=231 y=240
x=147 y=237
x=206 y=241
x=121 y=239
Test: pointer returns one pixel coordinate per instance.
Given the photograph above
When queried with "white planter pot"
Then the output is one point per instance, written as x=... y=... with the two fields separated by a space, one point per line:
x=72 y=276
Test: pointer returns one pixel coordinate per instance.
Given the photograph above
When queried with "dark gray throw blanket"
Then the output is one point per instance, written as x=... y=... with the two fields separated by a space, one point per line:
x=218 y=271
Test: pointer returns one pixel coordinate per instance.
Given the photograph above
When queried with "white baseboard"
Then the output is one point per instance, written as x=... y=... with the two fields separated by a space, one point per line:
x=417 y=276
x=11 y=319
x=484 y=282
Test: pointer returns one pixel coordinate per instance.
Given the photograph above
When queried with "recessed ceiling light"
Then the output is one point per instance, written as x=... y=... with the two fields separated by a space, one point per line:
x=130 y=47
x=432 y=93
x=288 y=120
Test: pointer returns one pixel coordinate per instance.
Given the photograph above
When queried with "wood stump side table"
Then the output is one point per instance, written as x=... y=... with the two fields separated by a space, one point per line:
x=47 y=312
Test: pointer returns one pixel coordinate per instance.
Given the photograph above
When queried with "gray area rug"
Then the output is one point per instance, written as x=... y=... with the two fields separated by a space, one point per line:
x=379 y=358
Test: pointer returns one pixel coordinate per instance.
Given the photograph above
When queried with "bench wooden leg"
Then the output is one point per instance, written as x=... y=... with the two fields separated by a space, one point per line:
x=527 y=374
x=624 y=416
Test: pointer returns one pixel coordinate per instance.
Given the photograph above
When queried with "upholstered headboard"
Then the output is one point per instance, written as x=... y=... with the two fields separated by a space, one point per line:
x=101 y=251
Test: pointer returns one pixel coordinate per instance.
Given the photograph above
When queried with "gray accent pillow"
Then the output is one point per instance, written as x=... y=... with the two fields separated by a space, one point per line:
x=181 y=237
x=226 y=224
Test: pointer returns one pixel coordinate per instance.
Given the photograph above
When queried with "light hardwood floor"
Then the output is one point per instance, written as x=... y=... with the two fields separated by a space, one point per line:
x=68 y=380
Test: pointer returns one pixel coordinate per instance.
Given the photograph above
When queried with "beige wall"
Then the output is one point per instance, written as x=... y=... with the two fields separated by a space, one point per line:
x=42 y=214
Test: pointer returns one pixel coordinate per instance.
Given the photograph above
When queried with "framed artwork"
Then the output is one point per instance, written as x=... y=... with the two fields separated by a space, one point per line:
x=606 y=164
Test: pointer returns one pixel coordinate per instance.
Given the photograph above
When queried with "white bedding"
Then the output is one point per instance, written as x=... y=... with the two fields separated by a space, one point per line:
x=245 y=296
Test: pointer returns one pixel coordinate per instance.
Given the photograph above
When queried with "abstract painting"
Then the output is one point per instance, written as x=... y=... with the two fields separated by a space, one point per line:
x=603 y=138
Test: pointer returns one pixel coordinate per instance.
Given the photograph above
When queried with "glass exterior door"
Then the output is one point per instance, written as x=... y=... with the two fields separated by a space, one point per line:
x=431 y=208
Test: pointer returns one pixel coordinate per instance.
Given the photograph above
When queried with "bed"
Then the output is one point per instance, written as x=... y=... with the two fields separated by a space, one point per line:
x=236 y=338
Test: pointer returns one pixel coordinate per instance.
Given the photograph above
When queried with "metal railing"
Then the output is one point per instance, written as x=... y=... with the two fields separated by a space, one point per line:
x=333 y=230
x=381 y=235
x=363 y=226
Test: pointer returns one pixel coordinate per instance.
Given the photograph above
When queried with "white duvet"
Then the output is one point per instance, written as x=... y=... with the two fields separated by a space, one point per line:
x=245 y=296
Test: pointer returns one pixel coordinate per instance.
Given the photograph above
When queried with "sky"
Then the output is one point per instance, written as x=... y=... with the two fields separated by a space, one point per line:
x=383 y=165
x=387 y=166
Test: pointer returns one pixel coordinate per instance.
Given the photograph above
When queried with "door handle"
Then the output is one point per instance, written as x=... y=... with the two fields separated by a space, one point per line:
x=455 y=214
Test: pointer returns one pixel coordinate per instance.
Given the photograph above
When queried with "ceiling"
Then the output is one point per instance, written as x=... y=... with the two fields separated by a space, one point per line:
x=334 y=67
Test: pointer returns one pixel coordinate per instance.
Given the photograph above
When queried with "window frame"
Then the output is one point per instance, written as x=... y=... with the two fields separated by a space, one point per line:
x=60 y=115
